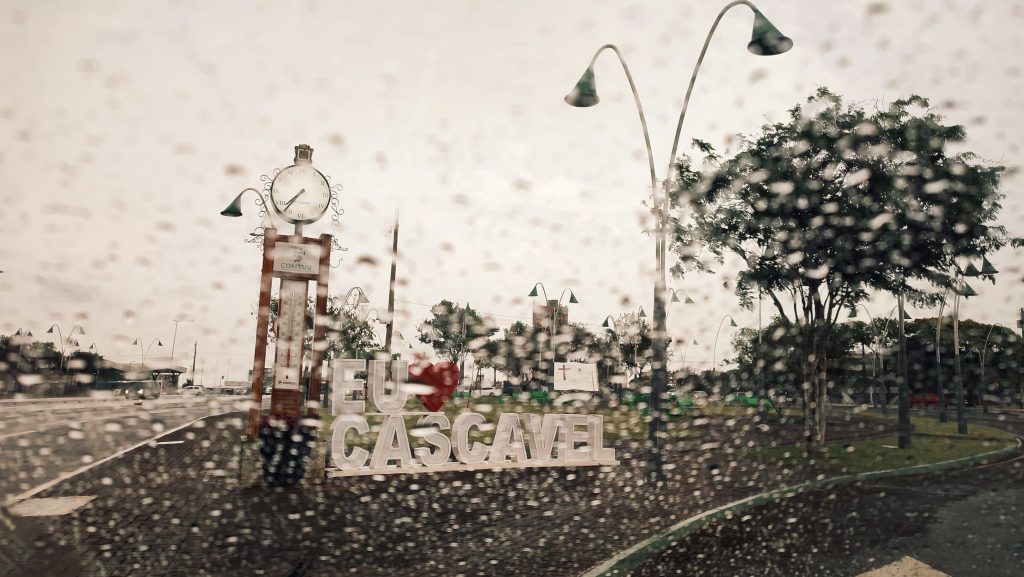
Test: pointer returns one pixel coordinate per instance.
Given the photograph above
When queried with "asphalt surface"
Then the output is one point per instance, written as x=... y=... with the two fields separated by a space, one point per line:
x=41 y=441
x=175 y=508
x=966 y=523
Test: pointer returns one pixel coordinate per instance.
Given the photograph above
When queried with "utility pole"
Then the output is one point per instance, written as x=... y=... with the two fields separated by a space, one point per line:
x=174 y=339
x=389 y=329
x=1020 y=362
x=195 y=349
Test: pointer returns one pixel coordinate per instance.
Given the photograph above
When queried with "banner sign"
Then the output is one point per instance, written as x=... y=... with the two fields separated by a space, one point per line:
x=576 y=377
x=297 y=259
x=424 y=442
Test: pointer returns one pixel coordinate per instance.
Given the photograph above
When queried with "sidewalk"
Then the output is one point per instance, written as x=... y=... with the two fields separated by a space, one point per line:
x=176 y=509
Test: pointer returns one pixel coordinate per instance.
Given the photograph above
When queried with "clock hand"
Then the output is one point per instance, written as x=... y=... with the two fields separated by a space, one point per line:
x=294 y=198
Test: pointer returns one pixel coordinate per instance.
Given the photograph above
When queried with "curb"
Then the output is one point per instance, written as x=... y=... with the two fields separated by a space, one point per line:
x=629 y=559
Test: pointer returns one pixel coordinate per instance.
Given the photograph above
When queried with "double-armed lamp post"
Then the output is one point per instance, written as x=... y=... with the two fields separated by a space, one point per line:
x=765 y=40
x=554 y=317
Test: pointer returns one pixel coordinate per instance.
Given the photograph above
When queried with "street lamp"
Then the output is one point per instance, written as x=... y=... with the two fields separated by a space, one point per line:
x=714 y=349
x=984 y=385
x=554 y=320
x=962 y=289
x=145 y=351
x=60 y=337
x=235 y=208
x=360 y=298
x=765 y=40
x=878 y=339
x=685 y=347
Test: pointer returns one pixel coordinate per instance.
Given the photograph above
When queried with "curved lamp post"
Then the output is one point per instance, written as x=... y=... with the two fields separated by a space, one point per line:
x=962 y=289
x=714 y=349
x=685 y=347
x=878 y=339
x=554 y=317
x=883 y=388
x=234 y=209
x=984 y=385
x=765 y=40
x=360 y=297
x=145 y=351
x=61 y=338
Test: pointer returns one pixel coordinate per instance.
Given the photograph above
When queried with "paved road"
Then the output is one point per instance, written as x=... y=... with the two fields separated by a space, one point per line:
x=965 y=523
x=41 y=441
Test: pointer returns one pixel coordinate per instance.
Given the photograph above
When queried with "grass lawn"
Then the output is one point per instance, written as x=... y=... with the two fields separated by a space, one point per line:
x=931 y=442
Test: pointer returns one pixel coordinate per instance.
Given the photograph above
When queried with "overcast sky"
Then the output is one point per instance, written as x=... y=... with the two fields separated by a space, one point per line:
x=125 y=127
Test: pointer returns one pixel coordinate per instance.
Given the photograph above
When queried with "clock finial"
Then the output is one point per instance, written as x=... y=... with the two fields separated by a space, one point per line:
x=303 y=153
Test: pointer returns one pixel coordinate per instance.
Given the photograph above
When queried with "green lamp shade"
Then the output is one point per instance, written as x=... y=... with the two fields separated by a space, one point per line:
x=642 y=314
x=732 y=322
x=853 y=313
x=766 y=40
x=533 y=293
x=987 y=268
x=675 y=297
x=233 y=209
x=606 y=324
x=584 y=94
x=972 y=270
x=906 y=317
x=966 y=291
x=689 y=301
x=572 y=298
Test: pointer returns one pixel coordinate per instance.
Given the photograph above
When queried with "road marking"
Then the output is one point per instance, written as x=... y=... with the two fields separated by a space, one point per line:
x=170 y=442
x=65 y=476
x=905 y=567
x=9 y=435
x=109 y=417
x=49 y=506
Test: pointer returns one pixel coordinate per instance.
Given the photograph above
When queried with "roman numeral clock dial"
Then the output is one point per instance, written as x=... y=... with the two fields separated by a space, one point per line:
x=300 y=193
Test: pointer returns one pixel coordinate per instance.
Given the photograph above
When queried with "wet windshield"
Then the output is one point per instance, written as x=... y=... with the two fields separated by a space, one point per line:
x=476 y=288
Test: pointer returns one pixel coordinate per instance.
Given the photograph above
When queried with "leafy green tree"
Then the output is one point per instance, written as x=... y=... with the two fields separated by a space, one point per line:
x=832 y=203
x=517 y=353
x=454 y=330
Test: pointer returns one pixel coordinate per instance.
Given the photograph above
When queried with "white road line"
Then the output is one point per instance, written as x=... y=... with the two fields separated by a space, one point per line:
x=65 y=476
x=110 y=417
x=9 y=435
x=170 y=442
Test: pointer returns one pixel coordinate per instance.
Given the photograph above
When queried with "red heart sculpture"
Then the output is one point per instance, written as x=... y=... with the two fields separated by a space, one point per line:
x=442 y=377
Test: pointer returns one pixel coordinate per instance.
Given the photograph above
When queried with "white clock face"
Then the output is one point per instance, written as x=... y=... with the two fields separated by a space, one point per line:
x=300 y=194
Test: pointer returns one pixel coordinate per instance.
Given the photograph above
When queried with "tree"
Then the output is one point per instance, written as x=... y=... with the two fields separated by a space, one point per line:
x=635 y=342
x=516 y=353
x=833 y=203
x=454 y=330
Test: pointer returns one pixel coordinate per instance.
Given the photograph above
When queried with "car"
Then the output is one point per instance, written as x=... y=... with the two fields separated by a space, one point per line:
x=924 y=400
x=193 y=390
x=141 y=390
x=487 y=392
